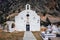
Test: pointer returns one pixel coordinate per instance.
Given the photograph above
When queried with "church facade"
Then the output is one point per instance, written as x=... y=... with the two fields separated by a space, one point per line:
x=27 y=20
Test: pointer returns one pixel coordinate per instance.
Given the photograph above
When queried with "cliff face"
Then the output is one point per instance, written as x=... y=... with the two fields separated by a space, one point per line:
x=42 y=7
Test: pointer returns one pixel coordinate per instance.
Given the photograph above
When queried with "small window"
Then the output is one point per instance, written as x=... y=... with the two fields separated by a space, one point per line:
x=33 y=17
x=21 y=17
x=27 y=15
x=37 y=21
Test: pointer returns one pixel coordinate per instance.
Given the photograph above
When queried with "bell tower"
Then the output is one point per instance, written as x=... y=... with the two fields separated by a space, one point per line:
x=27 y=7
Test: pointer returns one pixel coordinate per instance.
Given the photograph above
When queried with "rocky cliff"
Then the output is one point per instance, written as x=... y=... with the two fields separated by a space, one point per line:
x=44 y=8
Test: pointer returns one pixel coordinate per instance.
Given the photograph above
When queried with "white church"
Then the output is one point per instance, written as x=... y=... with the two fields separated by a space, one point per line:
x=27 y=20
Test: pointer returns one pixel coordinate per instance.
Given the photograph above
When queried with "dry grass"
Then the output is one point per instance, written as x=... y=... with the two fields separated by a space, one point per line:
x=37 y=35
x=11 y=36
x=16 y=35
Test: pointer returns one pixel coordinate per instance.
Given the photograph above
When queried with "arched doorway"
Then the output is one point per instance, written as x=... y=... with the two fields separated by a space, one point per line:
x=27 y=27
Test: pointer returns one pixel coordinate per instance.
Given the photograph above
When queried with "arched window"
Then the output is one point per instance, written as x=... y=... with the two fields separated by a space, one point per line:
x=13 y=25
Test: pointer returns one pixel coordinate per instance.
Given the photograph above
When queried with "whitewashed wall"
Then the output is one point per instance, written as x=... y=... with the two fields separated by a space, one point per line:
x=21 y=19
